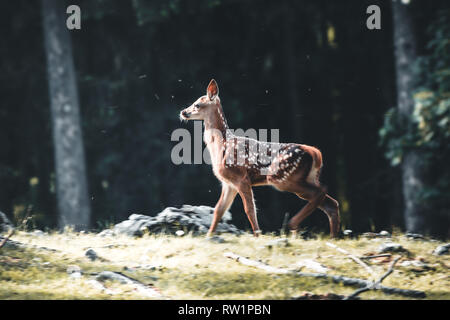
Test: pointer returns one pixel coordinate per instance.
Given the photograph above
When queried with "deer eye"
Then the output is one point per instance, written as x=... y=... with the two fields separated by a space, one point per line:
x=197 y=106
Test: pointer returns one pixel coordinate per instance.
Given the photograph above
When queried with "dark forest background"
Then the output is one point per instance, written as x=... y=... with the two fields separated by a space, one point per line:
x=309 y=68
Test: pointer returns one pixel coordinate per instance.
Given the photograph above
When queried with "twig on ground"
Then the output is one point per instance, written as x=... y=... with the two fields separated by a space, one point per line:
x=375 y=284
x=346 y=281
x=7 y=238
x=99 y=286
x=351 y=256
x=376 y=256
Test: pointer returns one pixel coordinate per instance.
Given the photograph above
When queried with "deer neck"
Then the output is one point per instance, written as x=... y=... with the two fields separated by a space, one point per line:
x=216 y=123
x=215 y=135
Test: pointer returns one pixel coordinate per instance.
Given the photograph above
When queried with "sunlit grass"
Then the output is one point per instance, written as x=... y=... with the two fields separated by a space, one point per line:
x=193 y=268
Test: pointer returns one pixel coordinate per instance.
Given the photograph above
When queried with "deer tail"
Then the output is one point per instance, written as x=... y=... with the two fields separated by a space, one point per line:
x=316 y=165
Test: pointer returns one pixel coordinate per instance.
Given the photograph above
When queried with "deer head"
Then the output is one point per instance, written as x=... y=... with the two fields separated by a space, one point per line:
x=204 y=107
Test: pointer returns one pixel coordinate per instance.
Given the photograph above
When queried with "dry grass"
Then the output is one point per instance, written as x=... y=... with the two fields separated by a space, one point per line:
x=193 y=268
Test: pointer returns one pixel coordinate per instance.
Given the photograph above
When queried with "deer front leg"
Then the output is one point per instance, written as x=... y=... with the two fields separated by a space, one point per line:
x=246 y=193
x=224 y=203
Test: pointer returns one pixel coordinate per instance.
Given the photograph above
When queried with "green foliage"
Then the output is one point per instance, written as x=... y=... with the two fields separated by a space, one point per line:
x=428 y=127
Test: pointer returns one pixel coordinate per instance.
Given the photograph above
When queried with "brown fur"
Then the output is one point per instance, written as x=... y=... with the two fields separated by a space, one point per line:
x=291 y=167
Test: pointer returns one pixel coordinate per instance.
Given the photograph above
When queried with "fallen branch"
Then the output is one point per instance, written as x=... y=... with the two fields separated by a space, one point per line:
x=313 y=265
x=376 y=256
x=6 y=238
x=351 y=256
x=346 y=281
x=99 y=286
x=139 y=286
x=375 y=284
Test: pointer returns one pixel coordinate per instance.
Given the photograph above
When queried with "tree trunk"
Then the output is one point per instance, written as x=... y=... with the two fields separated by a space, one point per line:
x=71 y=185
x=413 y=172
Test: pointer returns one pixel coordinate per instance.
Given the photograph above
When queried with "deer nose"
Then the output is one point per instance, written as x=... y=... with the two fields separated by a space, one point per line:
x=184 y=114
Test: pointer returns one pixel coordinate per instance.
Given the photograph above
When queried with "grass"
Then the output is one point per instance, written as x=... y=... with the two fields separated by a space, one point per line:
x=193 y=268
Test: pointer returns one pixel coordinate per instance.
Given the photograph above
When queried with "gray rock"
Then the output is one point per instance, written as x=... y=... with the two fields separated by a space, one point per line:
x=348 y=233
x=384 y=233
x=135 y=216
x=391 y=247
x=441 y=250
x=130 y=227
x=91 y=254
x=196 y=219
x=5 y=224
x=414 y=236
x=109 y=275
x=73 y=269
x=75 y=275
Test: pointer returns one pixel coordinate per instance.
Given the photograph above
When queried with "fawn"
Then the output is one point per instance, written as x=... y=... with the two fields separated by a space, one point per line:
x=239 y=164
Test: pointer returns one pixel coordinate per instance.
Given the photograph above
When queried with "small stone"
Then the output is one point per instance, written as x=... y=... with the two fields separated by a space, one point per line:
x=91 y=254
x=75 y=275
x=179 y=233
x=414 y=236
x=390 y=247
x=348 y=233
x=384 y=233
x=73 y=269
x=441 y=250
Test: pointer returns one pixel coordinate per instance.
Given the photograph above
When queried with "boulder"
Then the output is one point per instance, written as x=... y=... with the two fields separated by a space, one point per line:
x=196 y=219
x=441 y=250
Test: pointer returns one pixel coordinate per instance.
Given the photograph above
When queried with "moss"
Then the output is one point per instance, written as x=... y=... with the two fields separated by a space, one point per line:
x=193 y=268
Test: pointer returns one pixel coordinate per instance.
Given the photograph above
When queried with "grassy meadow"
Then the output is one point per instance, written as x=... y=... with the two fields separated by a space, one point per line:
x=192 y=267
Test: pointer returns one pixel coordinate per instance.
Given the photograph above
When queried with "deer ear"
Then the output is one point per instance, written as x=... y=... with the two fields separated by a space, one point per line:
x=213 y=90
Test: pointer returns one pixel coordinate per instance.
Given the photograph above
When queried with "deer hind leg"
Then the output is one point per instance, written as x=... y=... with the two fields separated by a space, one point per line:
x=224 y=203
x=246 y=193
x=315 y=196
x=331 y=208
